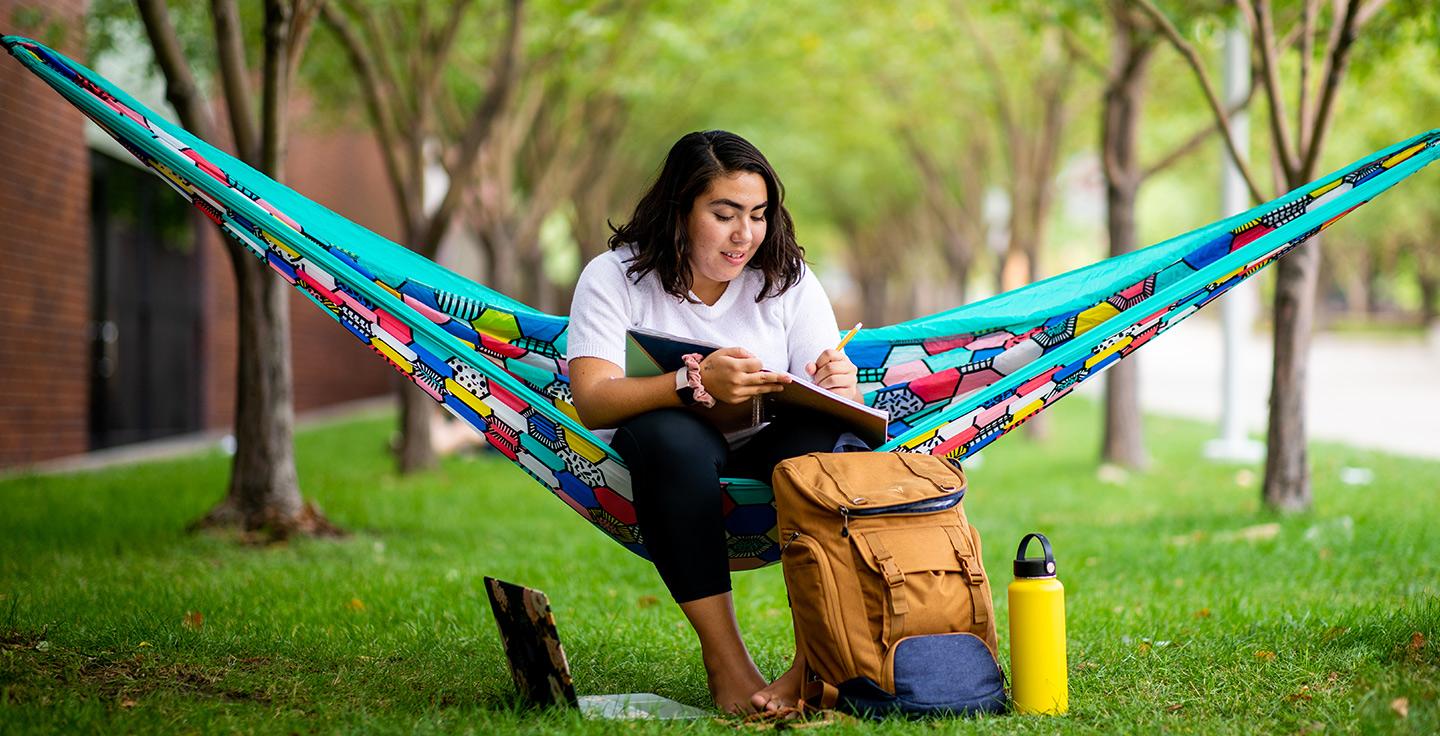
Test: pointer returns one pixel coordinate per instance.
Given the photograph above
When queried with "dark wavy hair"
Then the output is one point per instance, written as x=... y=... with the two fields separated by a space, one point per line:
x=658 y=226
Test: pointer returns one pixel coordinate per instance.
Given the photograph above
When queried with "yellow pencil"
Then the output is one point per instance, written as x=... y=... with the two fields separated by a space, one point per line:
x=849 y=335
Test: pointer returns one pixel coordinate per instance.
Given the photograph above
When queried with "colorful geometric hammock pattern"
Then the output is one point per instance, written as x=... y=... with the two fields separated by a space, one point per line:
x=953 y=382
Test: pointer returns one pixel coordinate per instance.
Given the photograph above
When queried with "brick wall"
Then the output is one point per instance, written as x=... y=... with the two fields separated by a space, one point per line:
x=45 y=262
x=44 y=250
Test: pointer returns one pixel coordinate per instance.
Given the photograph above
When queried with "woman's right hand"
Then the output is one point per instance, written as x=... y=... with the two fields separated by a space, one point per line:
x=734 y=375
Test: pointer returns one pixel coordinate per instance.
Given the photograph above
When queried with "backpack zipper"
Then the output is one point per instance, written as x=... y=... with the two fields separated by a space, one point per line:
x=925 y=506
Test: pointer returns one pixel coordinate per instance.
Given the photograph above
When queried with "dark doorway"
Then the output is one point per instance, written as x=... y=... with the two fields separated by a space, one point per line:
x=145 y=302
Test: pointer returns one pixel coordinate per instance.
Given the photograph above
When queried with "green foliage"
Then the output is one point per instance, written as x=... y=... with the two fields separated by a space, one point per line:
x=111 y=24
x=34 y=21
x=831 y=90
x=1189 y=608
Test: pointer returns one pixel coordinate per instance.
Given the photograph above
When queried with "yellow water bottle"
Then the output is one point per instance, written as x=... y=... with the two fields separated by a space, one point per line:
x=1037 y=633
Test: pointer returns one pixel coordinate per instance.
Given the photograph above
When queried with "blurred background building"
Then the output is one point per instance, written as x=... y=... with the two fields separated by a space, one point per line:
x=119 y=304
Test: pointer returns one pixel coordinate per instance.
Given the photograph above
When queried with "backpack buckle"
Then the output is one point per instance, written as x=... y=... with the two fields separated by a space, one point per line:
x=893 y=576
x=974 y=575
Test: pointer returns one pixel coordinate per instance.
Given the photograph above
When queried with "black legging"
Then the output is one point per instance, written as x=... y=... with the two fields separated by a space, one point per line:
x=676 y=460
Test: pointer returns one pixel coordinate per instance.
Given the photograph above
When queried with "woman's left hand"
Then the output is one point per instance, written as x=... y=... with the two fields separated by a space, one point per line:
x=833 y=371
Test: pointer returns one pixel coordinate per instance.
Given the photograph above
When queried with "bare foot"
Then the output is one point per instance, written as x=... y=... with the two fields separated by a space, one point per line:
x=783 y=693
x=732 y=689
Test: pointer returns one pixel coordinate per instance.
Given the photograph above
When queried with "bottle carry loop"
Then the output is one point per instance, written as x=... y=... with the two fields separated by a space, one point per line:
x=1030 y=567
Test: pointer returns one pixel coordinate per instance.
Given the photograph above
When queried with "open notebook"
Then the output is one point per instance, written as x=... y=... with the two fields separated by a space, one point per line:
x=651 y=353
x=540 y=670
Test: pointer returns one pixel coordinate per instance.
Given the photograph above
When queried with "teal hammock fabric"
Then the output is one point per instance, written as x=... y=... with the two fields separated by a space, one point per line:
x=953 y=382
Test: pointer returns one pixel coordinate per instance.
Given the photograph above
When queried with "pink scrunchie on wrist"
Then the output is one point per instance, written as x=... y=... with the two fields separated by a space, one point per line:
x=692 y=378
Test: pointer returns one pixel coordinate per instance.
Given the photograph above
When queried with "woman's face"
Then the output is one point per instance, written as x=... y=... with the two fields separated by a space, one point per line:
x=726 y=226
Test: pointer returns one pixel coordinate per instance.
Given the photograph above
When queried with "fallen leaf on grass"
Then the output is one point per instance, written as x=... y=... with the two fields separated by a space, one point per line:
x=42 y=646
x=1202 y=613
x=193 y=620
x=1256 y=533
x=355 y=604
x=127 y=704
x=646 y=601
x=1302 y=694
x=1265 y=654
x=1417 y=642
x=1112 y=475
x=1401 y=706
x=143 y=644
x=1173 y=707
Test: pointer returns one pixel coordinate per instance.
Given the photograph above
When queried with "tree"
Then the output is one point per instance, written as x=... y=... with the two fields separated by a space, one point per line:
x=1133 y=40
x=562 y=130
x=1032 y=131
x=264 y=490
x=401 y=54
x=1296 y=144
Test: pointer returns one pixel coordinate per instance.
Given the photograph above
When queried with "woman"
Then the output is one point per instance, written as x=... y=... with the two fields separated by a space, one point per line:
x=709 y=254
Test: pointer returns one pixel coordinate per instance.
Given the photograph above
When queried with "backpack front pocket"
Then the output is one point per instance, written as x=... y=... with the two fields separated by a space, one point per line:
x=929 y=564
x=811 y=584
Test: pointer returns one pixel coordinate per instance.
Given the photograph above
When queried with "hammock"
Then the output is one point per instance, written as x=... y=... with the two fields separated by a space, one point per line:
x=953 y=382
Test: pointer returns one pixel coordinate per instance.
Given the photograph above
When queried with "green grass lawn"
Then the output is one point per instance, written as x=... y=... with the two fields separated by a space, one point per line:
x=1190 y=608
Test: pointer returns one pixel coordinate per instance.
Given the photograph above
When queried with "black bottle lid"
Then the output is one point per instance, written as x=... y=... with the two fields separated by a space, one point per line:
x=1031 y=567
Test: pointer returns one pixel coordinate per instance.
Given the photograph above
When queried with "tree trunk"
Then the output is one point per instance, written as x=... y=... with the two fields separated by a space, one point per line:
x=1287 y=468
x=872 y=293
x=415 y=447
x=264 y=492
x=1124 y=428
x=532 y=276
x=1124 y=433
x=1429 y=296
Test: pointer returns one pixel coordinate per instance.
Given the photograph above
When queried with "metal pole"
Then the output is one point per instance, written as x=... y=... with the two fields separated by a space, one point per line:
x=1239 y=306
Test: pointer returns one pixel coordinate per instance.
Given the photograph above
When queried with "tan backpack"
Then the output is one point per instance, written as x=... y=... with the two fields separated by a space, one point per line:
x=879 y=559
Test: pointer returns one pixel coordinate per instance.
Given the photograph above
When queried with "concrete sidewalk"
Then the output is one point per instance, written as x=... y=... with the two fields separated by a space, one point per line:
x=1381 y=393
x=182 y=445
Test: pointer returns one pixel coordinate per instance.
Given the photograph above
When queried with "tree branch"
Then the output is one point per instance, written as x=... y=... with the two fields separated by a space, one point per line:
x=1368 y=11
x=302 y=24
x=1307 y=49
x=481 y=125
x=235 y=79
x=441 y=46
x=1335 y=66
x=1079 y=52
x=1190 y=145
x=1264 y=44
x=276 y=88
x=377 y=102
x=379 y=47
x=1221 y=119
x=180 y=88
x=1001 y=100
